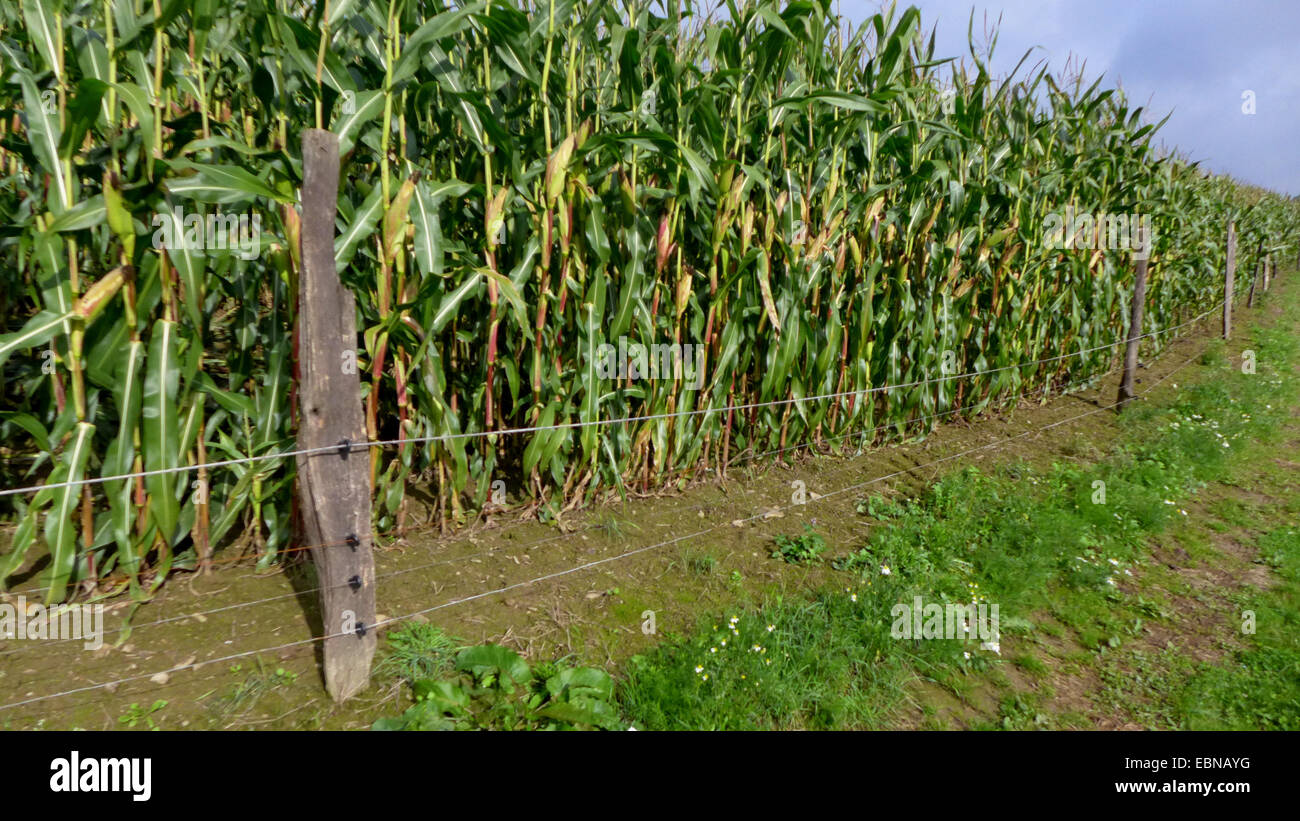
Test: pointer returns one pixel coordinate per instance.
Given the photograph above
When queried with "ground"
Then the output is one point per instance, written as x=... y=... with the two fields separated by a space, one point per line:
x=693 y=554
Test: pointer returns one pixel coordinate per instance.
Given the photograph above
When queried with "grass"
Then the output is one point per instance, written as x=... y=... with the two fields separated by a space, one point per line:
x=701 y=564
x=1259 y=687
x=418 y=651
x=257 y=683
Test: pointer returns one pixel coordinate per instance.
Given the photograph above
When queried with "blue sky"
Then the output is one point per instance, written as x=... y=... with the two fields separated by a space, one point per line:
x=1194 y=58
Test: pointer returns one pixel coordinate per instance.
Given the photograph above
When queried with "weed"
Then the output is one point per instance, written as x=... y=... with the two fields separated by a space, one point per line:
x=418 y=651
x=135 y=714
x=804 y=549
x=494 y=688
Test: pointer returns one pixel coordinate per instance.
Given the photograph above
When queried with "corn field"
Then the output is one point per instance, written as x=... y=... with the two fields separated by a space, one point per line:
x=820 y=207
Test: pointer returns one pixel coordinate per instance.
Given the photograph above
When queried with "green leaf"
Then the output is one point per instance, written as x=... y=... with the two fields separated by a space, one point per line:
x=493 y=658
x=86 y=214
x=363 y=106
x=24 y=538
x=62 y=523
x=30 y=424
x=120 y=455
x=223 y=184
x=234 y=402
x=161 y=425
x=362 y=226
x=83 y=112
x=450 y=302
x=427 y=233
x=43 y=132
x=437 y=27
x=590 y=712
x=39 y=329
x=139 y=103
x=43 y=33
x=190 y=265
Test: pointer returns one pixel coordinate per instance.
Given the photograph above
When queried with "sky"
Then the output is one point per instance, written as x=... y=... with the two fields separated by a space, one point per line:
x=1193 y=58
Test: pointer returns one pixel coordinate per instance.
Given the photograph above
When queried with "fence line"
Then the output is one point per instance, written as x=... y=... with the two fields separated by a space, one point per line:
x=743 y=458
x=767 y=512
x=354 y=446
x=588 y=565
x=397 y=532
x=526 y=546
x=529 y=545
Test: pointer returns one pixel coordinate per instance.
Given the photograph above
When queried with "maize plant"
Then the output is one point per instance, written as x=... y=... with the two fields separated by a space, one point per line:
x=830 y=214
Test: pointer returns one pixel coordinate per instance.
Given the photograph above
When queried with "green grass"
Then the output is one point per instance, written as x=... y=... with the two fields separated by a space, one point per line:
x=258 y=682
x=1036 y=543
x=1259 y=688
x=419 y=651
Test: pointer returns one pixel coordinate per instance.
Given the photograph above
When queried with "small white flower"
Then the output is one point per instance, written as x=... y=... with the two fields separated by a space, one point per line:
x=771 y=627
x=967 y=655
x=884 y=570
x=996 y=647
x=699 y=669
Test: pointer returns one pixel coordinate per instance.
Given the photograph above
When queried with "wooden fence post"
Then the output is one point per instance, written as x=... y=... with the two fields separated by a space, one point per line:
x=335 y=485
x=1254 y=278
x=1126 y=393
x=1227 y=283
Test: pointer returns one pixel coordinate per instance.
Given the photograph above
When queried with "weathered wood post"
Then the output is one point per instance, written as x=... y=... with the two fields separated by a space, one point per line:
x=334 y=485
x=1228 y=279
x=1254 y=278
x=1126 y=393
